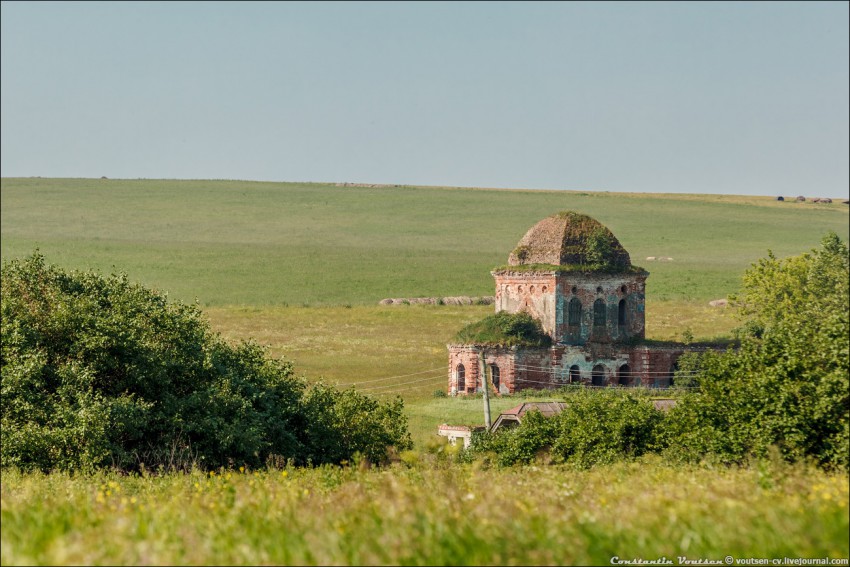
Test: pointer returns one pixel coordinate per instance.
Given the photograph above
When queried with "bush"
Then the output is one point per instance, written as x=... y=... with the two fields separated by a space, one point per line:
x=596 y=427
x=520 y=444
x=505 y=329
x=600 y=427
x=344 y=424
x=787 y=385
x=98 y=371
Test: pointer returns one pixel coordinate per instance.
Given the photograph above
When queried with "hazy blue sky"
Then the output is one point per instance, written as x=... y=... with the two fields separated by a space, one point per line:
x=737 y=97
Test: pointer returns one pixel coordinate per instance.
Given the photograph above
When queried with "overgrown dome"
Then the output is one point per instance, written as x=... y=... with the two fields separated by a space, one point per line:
x=569 y=238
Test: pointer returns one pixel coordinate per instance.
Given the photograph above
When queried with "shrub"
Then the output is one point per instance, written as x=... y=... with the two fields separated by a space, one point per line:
x=600 y=427
x=97 y=371
x=787 y=385
x=344 y=424
x=516 y=445
x=596 y=427
x=505 y=329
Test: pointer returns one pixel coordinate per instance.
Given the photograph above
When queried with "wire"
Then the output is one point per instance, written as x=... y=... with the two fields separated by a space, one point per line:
x=632 y=372
x=442 y=368
x=563 y=375
x=557 y=378
x=374 y=388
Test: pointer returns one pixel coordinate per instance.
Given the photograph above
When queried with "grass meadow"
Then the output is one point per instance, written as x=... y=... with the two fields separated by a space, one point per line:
x=300 y=267
x=425 y=514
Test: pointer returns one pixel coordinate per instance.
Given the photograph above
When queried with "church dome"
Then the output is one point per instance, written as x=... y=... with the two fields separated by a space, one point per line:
x=571 y=239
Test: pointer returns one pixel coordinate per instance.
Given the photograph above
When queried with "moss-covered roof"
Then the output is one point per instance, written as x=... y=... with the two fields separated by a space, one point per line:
x=505 y=329
x=571 y=239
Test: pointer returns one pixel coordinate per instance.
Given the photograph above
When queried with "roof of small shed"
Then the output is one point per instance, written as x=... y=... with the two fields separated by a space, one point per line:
x=548 y=409
x=570 y=240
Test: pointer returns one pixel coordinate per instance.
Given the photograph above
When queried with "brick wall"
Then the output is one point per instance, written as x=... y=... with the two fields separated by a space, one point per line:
x=547 y=295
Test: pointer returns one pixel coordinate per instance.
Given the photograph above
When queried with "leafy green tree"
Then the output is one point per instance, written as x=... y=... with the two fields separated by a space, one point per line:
x=787 y=384
x=97 y=371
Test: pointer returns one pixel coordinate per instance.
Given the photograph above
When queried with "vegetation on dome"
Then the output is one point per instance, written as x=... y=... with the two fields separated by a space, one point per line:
x=505 y=329
x=583 y=244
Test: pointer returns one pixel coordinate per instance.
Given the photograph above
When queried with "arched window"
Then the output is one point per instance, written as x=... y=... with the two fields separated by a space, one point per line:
x=575 y=374
x=625 y=375
x=621 y=313
x=495 y=375
x=461 y=377
x=598 y=375
x=574 y=312
x=598 y=313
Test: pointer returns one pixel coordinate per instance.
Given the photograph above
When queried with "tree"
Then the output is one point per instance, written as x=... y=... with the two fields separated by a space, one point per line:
x=787 y=384
x=98 y=371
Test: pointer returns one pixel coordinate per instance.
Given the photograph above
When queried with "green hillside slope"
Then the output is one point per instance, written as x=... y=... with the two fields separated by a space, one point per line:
x=251 y=243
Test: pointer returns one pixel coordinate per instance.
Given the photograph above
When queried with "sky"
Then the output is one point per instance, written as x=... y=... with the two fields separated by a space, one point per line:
x=748 y=98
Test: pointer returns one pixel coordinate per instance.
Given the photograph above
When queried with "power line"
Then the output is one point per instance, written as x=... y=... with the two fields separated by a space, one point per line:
x=556 y=372
x=442 y=368
x=554 y=368
x=557 y=378
x=374 y=388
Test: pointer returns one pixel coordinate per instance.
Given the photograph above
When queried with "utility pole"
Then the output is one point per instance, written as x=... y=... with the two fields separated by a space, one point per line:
x=482 y=369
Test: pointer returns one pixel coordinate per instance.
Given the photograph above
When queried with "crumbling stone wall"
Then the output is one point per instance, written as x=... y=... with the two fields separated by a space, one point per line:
x=614 y=364
x=532 y=293
x=547 y=295
x=611 y=289
x=518 y=368
x=504 y=359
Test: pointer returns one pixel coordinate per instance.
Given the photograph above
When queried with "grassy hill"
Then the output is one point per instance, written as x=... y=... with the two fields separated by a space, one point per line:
x=256 y=255
x=258 y=244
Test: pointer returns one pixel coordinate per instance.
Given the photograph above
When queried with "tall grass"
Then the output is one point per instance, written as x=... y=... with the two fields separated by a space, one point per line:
x=425 y=515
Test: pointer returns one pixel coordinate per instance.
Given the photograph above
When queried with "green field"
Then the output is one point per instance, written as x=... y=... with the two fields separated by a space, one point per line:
x=273 y=244
x=428 y=514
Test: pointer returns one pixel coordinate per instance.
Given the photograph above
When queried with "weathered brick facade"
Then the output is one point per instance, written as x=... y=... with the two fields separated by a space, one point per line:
x=593 y=309
x=547 y=296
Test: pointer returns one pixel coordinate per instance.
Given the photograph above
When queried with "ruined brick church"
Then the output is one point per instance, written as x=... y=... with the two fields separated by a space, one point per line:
x=571 y=274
